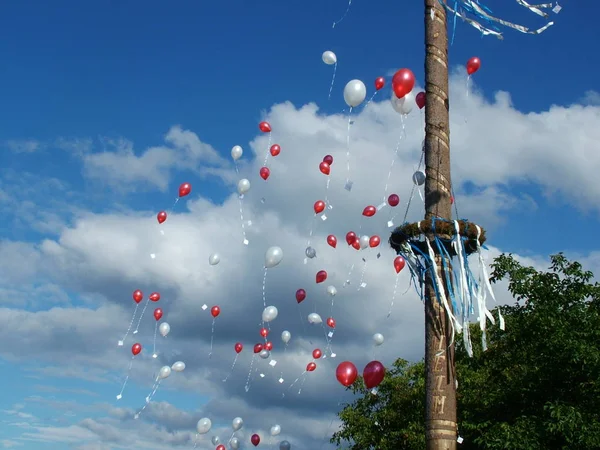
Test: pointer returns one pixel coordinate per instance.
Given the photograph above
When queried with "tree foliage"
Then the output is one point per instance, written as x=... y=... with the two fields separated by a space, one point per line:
x=536 y=387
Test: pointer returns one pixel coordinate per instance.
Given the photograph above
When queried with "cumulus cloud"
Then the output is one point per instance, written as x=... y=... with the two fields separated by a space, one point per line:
x=105 y=256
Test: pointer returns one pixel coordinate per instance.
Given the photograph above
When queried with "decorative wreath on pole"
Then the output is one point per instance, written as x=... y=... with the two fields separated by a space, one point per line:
x=423 y=244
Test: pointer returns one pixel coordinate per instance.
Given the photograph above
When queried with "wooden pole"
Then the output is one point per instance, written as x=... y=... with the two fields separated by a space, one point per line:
x=440 y=409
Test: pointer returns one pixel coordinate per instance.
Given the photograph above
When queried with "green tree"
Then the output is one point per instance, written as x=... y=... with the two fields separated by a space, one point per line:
x=536 y=387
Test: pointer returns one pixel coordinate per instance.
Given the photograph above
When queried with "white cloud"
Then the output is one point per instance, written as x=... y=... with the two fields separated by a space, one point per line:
x=104 y=257
x=23 y=145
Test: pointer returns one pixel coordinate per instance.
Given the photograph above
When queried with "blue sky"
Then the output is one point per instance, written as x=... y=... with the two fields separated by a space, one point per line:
x=105 y=70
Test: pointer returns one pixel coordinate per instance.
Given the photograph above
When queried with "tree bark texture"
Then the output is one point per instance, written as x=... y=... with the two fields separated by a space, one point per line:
x=441 y=429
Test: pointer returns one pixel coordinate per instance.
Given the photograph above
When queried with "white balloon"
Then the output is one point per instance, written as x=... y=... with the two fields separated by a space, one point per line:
x=215 y=440
x=275 y=430
x=331 y=290
x=203 y=426
x=285 y=445
x=364 y=242
x=243 y=186
x=378 y=339
x=418 y=178
x=286 y=336
x=214 y=259
x=314 y=318
x=179 y=366
x=269 y=314
x=164 y=329
x=273 y=257
x=164 y=372
x=355 y=93
x=236 y=152
x=237 y=423
x=234 y=443
x=403 y=105
x=264 y=354
x=329 y=58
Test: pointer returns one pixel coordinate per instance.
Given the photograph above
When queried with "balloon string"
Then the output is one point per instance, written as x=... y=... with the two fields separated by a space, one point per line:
x=148 y=399
x=137 y=327
x=332 y=80
x=268 y=150
x=389 y=176
x=196 y=440
x=467 y=94
x=264 y=288
x=241 y=199
x=393 y=296
x=344 y=16
x=330 y=425
x=126 y=379
x=284 y=354
x=212 y=337
x=311 y=233
x=327 y=192
x=154 y=355
x=348 y=144
x=130 y=325
x=327 y=341
x=362 y=284
x=302 y=321
x=232 y=367
x=402 y=116
x=295 y=381
x=237 y=169
x=412 y=192
x=370 y=100
x=247 y=387
x=302 y=384
x=349 y=274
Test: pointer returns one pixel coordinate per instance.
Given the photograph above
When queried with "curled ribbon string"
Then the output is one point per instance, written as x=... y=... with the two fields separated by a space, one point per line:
x=130 y=325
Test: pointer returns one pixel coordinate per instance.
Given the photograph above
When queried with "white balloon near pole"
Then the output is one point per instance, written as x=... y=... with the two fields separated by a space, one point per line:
x=355 y=93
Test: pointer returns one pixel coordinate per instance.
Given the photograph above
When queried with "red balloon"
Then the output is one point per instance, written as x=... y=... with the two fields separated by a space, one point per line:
x=215 y=311
x=158 y=313
x=379 y=83
x=265 y=127
x=369 y=211
x=331 y=322
x=420 y=100
x=328 y=159
x=321 y=276
x=374 y=241
x=136 y=349
x=317 y=353
x=350 y=237
x=300 y=295
x=473 y=65
x=185 y=189
x=258 y=348
x=319 y=206
x=220 y=447
x=268 y=345
x=324 y=168
x=393 y=200
x=255 y=439
x=161 y=217
x=346 y=373
x=264 y=332
x=311 y=366
x=403 y=82
x=275 y=150
x=238 y=347
x=138 y=296
x=452 y=200
x=373 y=374
x=356 y=243
x=399 y=263
x=264 y=173
x=332 y=240
x=154 y=297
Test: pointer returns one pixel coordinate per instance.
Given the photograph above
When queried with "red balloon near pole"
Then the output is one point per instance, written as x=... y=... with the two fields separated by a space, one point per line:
x=215 y=311
x=346 y=373
x=265 y=127
x=138 y=296
x=154 y=297
x=319 y=207
x=331 y=322
x=328 y=159
x=255 y=439
x=311 y=366
x=184 y=189
x=238 y=347
x=161 y=217
x=264 y=332
x=325 y=168
x=369 y=211
x=403 y=82
x=136 y=349
x=317 y=353
x=374 y=241
x=221 y=447
x=373 y=374
x=473 y=65
x=420 y=100
x=379 y=83
x=268 y=345
x=356 y=243
x=258 y=348
x=350 y=237
x=399 y=263
x=158 y=313
x=393 y=200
